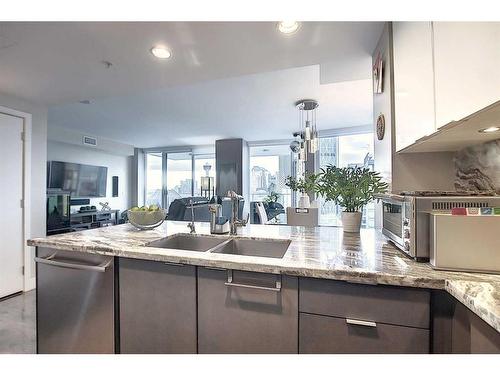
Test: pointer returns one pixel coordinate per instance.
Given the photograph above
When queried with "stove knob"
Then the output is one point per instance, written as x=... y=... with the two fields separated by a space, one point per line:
x=407 y=246
x=406 y=222
x=407 y=233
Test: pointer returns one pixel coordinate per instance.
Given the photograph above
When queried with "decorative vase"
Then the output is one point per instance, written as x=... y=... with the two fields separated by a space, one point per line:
x=304 y=201
x=351 y=221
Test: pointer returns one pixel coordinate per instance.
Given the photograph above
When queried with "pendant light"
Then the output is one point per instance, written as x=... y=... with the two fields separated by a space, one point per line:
x=307 y=125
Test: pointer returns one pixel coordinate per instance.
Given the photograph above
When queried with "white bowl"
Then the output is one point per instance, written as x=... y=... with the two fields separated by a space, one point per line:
x=146 y=219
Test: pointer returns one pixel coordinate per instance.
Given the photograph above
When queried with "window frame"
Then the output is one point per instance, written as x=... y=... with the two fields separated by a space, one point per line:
x=164 y=157
x=337 y=134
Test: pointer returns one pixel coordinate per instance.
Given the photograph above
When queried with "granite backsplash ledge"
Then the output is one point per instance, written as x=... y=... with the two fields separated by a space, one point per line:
x=478 y=167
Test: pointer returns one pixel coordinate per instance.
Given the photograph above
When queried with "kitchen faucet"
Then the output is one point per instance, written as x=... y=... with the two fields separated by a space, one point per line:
x=235 y=204
x=190 y=225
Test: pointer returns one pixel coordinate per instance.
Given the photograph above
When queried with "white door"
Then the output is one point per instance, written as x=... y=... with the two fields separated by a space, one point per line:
x=11 y=213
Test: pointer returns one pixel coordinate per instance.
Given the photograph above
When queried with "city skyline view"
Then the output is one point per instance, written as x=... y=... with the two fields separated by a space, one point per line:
x=269 y=168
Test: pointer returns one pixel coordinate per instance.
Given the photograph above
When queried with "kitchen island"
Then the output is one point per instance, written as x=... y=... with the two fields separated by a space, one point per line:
x=322 y=258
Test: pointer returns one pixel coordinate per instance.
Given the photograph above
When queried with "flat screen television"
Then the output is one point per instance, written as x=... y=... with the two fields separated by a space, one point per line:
x=83 y=181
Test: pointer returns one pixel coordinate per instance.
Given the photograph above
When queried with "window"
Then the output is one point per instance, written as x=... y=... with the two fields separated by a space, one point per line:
x=269 y=168
x=345 y=151
x=170 y=175
x=179 y=176
x=153 y=185
x=204 y=166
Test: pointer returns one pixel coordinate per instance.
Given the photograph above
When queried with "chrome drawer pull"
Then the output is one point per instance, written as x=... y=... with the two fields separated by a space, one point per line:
x=57 y=263
x=175 y=264
x=364 y=323
x=238 y=285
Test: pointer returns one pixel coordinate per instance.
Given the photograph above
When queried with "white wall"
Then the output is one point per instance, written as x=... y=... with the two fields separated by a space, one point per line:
x=422 y=171
x=118 y=165
x=75 y=138
x=419 y=171
x=383 y=104
x=38 y=162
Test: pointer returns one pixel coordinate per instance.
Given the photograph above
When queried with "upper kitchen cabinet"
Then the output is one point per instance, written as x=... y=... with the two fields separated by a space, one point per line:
x=443 y=72
x=466 y=66
x=413 y=82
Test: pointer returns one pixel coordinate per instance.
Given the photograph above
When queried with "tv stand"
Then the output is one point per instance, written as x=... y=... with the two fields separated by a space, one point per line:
x=94 y=219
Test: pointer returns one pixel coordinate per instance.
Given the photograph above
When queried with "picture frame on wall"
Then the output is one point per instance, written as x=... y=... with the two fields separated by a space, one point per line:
x=378 y=70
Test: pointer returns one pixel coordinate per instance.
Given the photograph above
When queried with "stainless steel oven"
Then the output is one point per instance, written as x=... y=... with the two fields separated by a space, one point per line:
x=406 y=219
x=397 y=213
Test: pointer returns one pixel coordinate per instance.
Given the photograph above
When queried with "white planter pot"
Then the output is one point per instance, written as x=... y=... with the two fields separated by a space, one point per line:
x=304 y=201
x=351 y=221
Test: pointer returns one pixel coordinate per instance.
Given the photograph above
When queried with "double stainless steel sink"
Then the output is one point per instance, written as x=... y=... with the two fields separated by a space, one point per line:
x=259 y=247
x=184 y=241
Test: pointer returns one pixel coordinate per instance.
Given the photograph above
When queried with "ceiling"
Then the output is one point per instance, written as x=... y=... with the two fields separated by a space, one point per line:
x=55 y=63
x=223 y=79
x=253 y=107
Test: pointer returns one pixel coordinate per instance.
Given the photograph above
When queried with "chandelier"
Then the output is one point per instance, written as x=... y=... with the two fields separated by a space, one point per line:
x=308 y=132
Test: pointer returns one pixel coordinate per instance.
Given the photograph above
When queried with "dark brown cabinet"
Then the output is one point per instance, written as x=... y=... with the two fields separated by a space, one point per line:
x=246 y=312
x=340 y=317
x=483 y=338
x=470 y=334
x=324 y=334
x=173 y=308
x=157 y=307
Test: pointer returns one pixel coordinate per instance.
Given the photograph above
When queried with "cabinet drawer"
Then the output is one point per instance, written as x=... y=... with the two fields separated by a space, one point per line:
x=327 y=335
x=381 y=304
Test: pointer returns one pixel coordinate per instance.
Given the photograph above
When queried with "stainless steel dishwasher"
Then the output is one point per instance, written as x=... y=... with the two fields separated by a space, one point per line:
x=75 y=302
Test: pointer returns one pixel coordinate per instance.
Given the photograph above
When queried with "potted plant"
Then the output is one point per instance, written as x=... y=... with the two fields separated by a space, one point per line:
x=305 y=185
x=271 y=199
x=351 y=188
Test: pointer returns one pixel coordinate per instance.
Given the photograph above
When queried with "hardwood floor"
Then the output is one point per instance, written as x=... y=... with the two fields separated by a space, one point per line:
x=17 y=324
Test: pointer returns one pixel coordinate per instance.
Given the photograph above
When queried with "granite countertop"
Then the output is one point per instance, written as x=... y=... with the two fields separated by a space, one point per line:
x=483 y=298
x=321 y=252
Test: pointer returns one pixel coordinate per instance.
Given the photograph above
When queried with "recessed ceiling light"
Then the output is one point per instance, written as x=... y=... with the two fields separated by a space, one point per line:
x=288 y=27
x=161 y=52
x=491 y=129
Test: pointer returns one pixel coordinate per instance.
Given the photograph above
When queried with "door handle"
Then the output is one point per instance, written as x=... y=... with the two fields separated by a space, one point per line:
x=58 y=263
x=230 y=283
x=357 y=322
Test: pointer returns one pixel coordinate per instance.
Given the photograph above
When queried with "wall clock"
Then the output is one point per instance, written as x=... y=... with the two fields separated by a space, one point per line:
x=380 y=127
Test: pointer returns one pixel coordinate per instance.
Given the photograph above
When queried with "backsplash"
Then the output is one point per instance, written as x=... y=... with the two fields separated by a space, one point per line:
x=478 y=167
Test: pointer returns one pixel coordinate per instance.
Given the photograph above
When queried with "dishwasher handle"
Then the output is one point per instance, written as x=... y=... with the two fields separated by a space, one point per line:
x=231 y=283
x=49 y=260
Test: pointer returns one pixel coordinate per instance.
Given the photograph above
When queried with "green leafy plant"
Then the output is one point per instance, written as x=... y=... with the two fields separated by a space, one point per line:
x=350 y=187
x=271 y=198
x=306 y=184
